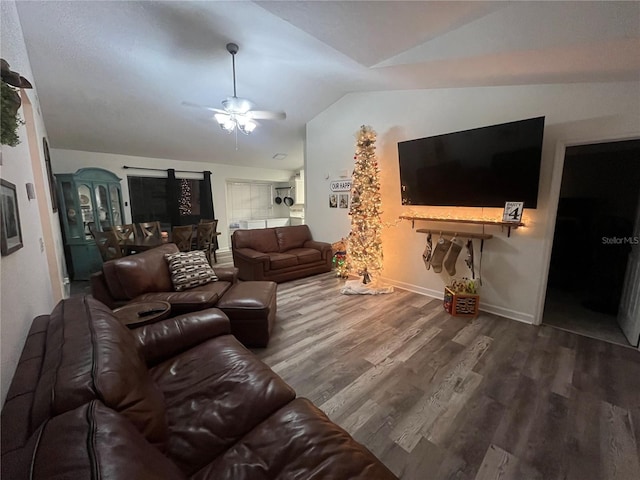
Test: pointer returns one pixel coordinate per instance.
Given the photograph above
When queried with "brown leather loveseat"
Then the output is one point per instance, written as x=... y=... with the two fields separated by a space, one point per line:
x=279 y=254
x=177 y=399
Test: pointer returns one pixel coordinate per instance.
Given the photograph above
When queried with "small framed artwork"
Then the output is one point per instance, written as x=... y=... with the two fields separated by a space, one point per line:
x=333 y=200
x=343 y=200
x=10 y=219
x=512 y=212
x=52 y=180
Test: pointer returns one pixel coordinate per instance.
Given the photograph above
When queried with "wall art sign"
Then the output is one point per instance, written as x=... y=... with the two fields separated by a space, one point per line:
x=9 y=218
x=512 y=212
x=340 y=185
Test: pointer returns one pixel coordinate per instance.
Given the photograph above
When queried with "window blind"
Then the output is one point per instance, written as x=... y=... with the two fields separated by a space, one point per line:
x=249 y=201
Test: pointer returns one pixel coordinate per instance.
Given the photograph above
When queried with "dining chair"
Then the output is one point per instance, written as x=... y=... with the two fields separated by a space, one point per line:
x=204 y=239
x=182 y=237
x=125 y=232
x=214 y=246
x=149 y=229
x=108 y=244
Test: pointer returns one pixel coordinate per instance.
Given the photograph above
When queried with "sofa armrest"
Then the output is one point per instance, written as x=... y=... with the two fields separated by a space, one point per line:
x=251 y=263
x=167 y=338
x=100 y=291
x=322 y=246
x=227 y=274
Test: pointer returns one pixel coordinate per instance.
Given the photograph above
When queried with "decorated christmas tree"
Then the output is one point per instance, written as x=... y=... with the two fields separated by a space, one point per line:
x=365 y=239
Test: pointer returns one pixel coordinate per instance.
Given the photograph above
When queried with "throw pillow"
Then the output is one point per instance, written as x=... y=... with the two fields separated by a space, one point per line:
x=189 y=269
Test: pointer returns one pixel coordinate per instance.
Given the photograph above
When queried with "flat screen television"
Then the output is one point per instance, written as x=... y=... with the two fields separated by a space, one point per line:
x=482 y=167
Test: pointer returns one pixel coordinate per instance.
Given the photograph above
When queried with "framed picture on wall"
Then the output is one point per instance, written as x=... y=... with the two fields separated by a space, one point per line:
x=333 y=200
x=10 y=219
x=344 y=200
x=52 y=181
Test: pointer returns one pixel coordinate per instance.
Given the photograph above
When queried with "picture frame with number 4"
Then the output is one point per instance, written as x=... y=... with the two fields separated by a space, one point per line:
x=513 y=212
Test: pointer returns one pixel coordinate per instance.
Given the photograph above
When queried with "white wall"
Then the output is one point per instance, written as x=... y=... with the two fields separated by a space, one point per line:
x=68 y=161
x=27 y=289
x=512 y=268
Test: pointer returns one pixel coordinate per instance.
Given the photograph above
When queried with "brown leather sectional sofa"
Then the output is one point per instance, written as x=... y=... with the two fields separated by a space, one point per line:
x=177 y=399
x=279 y=254
x=145 y=277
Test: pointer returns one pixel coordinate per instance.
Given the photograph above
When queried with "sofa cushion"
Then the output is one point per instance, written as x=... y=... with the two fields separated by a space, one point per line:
x=196 y=298
x=187 y=299
x=189 y=269
x=292 y=237
x=298 y=441
x=89 y=355
x=282 y=260
x=306 y=255
x=16 y=426
x=93 y=441
x=215 y=394
x=262 y=239
x=131 y=276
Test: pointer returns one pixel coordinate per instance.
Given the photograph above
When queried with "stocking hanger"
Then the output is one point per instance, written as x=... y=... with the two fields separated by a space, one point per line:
x=481 y=236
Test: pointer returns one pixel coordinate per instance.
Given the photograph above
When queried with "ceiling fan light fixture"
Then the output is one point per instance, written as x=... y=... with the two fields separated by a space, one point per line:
x=226 y=122
x=229 y=123
x=237 y=105
x=247 y=126
x=238 y=113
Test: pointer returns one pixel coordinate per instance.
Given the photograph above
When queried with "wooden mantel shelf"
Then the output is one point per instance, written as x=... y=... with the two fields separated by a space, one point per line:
x=453 y=233
x=499 y=223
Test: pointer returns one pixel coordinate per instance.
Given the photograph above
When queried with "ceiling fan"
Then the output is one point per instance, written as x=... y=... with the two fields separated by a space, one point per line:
x=237 y=113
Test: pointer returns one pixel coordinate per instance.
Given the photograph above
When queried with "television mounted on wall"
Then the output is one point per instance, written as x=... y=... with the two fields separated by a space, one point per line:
x=481 y=167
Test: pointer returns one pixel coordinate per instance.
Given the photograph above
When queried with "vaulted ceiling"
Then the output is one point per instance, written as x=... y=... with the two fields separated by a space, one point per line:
x=112 y=76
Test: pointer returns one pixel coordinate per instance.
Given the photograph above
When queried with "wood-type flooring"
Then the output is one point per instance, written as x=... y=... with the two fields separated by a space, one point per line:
x=437 y=397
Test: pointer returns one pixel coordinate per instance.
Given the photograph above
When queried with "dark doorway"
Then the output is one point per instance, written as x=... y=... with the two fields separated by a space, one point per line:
x=593 y=238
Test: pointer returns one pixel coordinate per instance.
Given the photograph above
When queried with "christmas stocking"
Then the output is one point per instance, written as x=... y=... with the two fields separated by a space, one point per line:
x=426 y=255
x=442 y=247
x=469 y=259
x=452 y=256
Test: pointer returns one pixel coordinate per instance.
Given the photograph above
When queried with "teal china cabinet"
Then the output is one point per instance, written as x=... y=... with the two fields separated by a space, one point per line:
x=90 y=198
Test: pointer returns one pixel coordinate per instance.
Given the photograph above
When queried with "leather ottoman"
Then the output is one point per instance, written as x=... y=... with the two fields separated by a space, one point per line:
x=251 y=308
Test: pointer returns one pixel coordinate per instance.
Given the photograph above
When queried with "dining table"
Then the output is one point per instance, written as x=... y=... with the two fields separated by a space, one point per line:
x=139 y=244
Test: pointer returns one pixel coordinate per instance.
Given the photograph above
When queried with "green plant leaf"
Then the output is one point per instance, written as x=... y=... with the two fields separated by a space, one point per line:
x=9 y=117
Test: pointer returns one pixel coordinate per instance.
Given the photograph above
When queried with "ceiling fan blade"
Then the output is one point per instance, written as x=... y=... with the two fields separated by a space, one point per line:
x=266 y=115
x=211 y=109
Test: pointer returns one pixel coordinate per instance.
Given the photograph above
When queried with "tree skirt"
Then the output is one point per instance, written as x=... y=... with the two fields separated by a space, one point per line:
x=356 y=287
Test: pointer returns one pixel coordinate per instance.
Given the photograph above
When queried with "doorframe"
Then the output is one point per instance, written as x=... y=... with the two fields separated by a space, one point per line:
x=45 y=211
x=552 y=206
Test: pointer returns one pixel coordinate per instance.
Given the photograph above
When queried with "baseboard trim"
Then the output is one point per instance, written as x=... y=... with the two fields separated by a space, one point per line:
x=507 y=313
x=484 y=307
x=414 y=288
